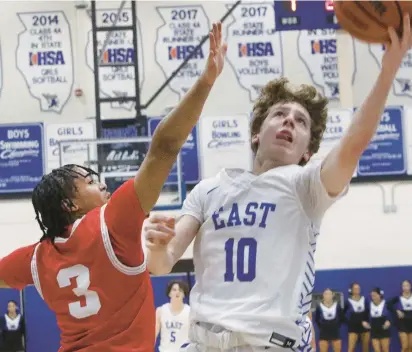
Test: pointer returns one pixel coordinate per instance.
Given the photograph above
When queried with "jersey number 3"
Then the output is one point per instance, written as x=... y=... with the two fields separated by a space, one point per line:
x=82 y=275
x=245 y=264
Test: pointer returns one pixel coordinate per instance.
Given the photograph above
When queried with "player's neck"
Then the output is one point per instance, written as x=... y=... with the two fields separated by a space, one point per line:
x=12 y=315
x=176 y=306
x=356 y=297
x=260 y=165
x=406 y=295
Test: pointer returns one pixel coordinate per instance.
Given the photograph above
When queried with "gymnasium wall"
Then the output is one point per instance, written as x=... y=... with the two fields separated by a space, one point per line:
x=355 y=223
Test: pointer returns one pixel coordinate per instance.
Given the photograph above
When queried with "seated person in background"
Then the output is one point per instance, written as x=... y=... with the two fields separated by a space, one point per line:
x=172 y=319
x=355 y=313
x=378 y=321
x=401 y=309
x=329 y=317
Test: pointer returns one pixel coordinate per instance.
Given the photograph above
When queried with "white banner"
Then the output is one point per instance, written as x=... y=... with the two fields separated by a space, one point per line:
x=183 y=29
x=317 y=50
x=117 y=81
x=224 y=143
x=45 y=58
x=402 y=85
x=255 y=48
x=75 y=153
x=336 y=125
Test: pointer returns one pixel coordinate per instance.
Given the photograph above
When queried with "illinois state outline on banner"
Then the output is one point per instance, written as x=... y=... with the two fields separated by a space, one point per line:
x=402 y=85
x=117 y=81
x=254 y=47
x=317 y=50
x=182 y=30
x=44 y=57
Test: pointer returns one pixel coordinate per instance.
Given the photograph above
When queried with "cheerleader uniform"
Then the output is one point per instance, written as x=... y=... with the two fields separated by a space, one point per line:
x=12 y=332
x=329 y=320
x=355 y=313
x=378 y=315
x=405 y=306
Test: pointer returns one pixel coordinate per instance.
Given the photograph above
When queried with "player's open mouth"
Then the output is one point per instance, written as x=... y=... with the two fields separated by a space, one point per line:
x=285 y=135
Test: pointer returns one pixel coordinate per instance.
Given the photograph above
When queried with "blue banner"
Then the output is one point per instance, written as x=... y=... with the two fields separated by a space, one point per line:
x=21 y=157
x=385 y=154
x=189 y=156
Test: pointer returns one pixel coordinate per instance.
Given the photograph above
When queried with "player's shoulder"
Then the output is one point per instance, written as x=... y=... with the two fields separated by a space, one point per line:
x=25 y=252
x=206 y=185
x=89 y=222
x=291 y=173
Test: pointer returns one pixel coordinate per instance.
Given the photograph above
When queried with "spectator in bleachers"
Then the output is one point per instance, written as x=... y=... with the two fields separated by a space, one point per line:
x=328 y=317
x=378 y=321
x=401 y=309
x=355 y=313
x=13 y=329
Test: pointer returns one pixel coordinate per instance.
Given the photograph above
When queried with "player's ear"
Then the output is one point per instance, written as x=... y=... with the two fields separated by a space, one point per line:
x=255 y=141
x=306 y=156
x=69 y=206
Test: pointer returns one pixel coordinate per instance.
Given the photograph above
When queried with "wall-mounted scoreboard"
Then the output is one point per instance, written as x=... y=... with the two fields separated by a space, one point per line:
x=291 y=15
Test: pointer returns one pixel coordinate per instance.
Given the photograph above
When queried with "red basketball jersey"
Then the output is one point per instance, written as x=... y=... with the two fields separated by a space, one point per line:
x=101 y=304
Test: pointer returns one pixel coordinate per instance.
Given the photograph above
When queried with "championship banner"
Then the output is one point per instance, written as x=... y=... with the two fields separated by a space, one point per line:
x=182 y=30
x=224 y=143
x=336 y=125
x=21 y=157
x=385 y=155
x=255 y=50
x=45 y=58
x=317 y=50
x=402 y=85
x=74 y=153
x=117 y=81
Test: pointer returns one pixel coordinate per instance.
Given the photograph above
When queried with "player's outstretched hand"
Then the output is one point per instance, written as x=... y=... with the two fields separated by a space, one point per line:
x=397 y=48
x=158 y=230
x=217 y=53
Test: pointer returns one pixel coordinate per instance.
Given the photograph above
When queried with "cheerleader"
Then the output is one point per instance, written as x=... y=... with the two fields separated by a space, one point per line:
x=329 y=316
x=378 y=321
x=13 y=329
x=355 y=313
x=401 y=309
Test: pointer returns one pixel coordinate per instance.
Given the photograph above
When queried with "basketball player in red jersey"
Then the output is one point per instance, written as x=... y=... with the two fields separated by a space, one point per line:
x=89 y=266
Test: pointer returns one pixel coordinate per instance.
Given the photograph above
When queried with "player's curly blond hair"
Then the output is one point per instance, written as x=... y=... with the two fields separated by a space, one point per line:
x=278 y=91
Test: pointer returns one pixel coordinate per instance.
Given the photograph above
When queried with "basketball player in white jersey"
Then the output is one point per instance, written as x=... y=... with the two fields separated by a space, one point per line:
x=172 y=319
x=255 y=232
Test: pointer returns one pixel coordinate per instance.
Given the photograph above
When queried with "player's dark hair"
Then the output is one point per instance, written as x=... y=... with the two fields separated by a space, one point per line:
x=279 y=91
x=55 y=190
x=182 y=285
x=378 y=290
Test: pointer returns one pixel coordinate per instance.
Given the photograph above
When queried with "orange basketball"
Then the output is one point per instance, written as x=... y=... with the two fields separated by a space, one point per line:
x=368 y=21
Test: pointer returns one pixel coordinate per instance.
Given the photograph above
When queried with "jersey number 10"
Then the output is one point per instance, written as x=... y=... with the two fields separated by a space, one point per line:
x=245 y=254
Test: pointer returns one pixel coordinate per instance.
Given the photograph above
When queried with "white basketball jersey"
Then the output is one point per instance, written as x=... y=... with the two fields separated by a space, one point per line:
x=174 y=331
x=254 y=253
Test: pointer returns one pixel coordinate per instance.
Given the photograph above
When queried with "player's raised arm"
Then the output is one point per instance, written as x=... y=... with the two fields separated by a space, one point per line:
x=172 y=132
x=340 y=164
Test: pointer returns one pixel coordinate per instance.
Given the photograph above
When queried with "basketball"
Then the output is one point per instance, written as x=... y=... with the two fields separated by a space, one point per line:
x=368 y=21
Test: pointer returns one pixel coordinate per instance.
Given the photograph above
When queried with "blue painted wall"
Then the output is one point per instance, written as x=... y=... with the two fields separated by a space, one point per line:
x=43 y=333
